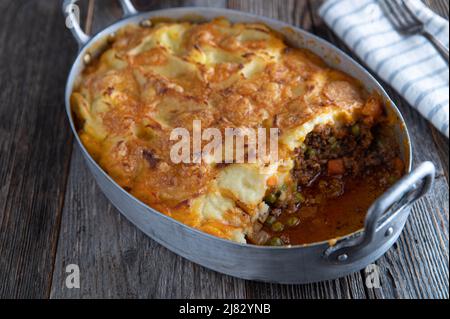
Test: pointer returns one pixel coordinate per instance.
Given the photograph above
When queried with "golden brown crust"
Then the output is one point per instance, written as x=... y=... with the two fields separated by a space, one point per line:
x=152 y=80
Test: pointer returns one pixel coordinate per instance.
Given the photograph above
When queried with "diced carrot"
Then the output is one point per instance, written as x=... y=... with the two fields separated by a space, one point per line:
x=336 y=167
x=398 y=165
x=272 y=181
x=372 y=109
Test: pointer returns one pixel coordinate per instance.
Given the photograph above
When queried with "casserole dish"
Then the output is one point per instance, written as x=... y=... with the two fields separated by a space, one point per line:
x=292 y=264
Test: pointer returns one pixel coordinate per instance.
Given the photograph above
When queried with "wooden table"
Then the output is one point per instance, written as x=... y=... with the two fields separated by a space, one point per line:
x=52 y=214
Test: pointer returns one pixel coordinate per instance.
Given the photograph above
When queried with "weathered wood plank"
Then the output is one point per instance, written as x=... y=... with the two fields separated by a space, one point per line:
x=108 y=11
x=417 y=266
x=147 y=5
x=117 y=260
x=297 y=13
x=291 y=11
x=35 y=143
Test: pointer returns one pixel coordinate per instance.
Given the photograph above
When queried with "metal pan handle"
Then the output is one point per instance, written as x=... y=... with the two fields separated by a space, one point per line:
x=128 y=8
x=72 y=13
x=382 y=212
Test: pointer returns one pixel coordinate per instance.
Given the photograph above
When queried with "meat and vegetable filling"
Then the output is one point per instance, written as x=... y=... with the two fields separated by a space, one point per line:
x=333 y=160
x=338 y=174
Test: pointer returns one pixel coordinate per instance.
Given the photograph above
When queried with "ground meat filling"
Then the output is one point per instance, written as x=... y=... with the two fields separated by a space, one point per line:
x=331 y=164
x=335 y=152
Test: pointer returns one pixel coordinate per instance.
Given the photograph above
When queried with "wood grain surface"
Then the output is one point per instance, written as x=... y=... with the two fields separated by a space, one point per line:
x=52 y=213
x=35 y=143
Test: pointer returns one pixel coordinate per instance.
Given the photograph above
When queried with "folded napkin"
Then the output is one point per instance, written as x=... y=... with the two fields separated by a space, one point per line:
x=410 y=64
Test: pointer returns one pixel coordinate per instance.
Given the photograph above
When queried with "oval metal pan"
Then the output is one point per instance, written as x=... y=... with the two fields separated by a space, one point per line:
x=295 y=264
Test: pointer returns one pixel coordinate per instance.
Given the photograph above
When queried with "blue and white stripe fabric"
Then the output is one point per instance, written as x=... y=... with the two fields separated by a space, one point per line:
x=410 y=64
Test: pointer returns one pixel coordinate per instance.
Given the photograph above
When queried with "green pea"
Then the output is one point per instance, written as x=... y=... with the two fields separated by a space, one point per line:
x=356 y=130
x=270 y=220
x=277 y=227
x=299 y=198
x=335 y=146
x=275 y=241
x=271 y=198
x=293 y=221
x=311 y=152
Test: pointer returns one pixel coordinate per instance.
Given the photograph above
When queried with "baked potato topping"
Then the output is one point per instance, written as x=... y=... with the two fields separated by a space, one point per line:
x=150 y=80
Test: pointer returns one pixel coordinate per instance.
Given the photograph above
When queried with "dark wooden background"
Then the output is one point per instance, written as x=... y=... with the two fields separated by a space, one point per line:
x=52 y=213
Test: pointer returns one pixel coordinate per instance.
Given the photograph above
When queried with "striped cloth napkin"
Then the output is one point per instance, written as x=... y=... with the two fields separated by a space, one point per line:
x=410 y=64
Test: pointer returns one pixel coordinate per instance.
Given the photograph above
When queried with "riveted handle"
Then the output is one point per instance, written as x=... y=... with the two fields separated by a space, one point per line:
x=384 y=211
x=72 y=14
x=128 y=8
